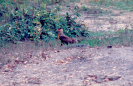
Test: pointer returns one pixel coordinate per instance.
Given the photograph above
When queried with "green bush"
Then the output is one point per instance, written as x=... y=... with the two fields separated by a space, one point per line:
x=26 y=22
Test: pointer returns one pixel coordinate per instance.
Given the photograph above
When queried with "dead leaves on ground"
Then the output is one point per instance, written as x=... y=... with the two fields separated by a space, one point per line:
x=100 y=78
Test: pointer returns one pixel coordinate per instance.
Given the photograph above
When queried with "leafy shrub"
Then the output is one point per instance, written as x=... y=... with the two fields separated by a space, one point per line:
x=29 y=23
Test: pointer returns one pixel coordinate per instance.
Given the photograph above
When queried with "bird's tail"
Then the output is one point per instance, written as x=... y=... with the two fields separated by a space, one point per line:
x=75 y=41
x=78 y=41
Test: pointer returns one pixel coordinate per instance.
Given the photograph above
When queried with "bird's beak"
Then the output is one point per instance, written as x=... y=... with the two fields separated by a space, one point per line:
x=58 y=30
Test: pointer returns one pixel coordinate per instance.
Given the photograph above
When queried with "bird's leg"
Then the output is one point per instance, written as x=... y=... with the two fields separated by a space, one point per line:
x=62 y=43
x=67 y=43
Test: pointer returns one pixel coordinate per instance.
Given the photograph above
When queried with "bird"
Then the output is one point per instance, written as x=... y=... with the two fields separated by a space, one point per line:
x=65 y=39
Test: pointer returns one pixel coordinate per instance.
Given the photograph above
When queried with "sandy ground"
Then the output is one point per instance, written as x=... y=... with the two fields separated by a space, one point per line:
x=73 y=66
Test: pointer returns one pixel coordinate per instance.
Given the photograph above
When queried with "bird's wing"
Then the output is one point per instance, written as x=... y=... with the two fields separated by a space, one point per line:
x=65 y=39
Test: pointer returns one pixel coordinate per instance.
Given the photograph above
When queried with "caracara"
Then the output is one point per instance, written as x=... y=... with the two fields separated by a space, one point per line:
x=65 y=39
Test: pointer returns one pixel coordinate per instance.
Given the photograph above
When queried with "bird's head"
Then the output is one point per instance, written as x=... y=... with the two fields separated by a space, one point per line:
x=60 y=30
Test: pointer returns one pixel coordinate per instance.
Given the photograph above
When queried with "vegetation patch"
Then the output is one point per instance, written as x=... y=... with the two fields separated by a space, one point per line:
x=122 y=4
x=38 y=21
x=121 y=37
x=35 y=21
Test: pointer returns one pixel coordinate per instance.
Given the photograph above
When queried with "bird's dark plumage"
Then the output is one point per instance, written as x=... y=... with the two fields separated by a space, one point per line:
x=64 y=39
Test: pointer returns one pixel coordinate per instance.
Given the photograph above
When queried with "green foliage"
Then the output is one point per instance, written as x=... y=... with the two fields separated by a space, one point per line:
x=121 y=37
x=84 y=8
x=1 y=1
x=36 y=23
x=122 y=4
x=71 y=28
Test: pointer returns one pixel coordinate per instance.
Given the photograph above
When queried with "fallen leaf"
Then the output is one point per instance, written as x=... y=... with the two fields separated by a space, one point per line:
x=60 y=61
